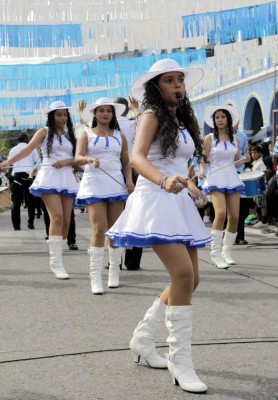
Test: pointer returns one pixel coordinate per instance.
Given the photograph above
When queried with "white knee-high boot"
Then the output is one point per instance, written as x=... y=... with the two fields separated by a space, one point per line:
x=115 y=255
x=96 y=265
x=216 y=249
x=56 y=257
x=142 y=343
x=228 y=242
x=180 y=365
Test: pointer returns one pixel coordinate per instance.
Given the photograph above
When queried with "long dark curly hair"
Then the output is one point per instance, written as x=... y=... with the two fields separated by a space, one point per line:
x=113 y=124
x=52 y=131
x=230 y=129
x=167 y=134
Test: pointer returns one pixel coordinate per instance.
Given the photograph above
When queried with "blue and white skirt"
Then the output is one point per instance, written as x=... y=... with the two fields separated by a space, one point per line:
x=54 y=180
x=153 y=217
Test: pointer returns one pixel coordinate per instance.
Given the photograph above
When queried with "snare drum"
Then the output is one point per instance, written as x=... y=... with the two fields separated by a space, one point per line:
x=5 y=199
x=254 y=182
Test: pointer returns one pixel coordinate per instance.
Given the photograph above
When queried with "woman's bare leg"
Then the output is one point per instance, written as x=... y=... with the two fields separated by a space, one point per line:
x=194 y=259
x=219 y=204
x=67 y=203
x=114 y=210
x=54 y=206
x=59 y=210
x=232 y=201
x=98 y=218
x=176 y=259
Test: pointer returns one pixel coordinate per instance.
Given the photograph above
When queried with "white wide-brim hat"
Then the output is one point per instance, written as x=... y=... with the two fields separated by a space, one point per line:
x=191 y=76
x=105 y=101
x=210 y=110
x=57 y=105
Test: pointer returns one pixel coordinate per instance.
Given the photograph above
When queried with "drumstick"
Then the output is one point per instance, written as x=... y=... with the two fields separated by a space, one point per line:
x=197 y=200
x=218 y=169
x=49 y=165
x=195 y=176
x=190 y=178
x=112 y=177
x=30 y=166
x=11 y=179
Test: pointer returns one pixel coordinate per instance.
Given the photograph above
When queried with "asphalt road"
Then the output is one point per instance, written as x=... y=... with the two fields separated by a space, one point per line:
x=58 y=341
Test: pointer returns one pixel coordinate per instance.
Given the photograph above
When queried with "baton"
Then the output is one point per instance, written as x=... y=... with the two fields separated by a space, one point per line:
x=112 y=177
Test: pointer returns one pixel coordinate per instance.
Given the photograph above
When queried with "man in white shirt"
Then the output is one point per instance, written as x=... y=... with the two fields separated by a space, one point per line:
x=20 y=183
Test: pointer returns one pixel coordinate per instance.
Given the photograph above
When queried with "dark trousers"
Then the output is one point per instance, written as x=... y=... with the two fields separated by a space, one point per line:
x=272 y=197
x=20 y=190
x=133 y=256
x=71 y=238
x=38 y=207
x=244 y=205
x=201 y=210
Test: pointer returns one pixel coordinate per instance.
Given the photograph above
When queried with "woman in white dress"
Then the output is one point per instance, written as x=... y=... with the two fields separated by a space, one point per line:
x=55 y=182
x=161 y=214
x=103 y=150
x=222 y=150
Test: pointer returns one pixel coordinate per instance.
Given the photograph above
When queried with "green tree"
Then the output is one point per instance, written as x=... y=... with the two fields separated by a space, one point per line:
x=8 y=139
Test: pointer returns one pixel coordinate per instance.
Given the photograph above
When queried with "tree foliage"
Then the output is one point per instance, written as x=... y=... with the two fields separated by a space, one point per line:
x=8 y=139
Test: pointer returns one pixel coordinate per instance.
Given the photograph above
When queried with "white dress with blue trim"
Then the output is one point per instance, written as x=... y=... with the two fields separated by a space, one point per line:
x=221 y=157
x=153 y=216
x=95 y=185
x=55 y=180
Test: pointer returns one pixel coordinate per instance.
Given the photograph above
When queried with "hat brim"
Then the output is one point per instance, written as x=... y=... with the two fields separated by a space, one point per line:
x=119 y=108
x=58 y=108
x=191 y=77
x=211 y=110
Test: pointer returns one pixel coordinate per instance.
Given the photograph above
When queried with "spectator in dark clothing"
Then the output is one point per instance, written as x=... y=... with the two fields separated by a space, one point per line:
x=20 y=183
x=267 y=159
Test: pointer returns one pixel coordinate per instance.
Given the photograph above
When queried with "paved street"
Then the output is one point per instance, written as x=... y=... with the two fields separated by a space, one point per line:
x=60 y=342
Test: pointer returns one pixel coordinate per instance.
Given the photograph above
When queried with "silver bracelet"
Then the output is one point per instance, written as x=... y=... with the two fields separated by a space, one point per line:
x=162 y=182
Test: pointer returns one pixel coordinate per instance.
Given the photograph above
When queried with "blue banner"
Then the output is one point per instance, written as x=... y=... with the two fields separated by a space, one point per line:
x=232 y=25
x=29 y=36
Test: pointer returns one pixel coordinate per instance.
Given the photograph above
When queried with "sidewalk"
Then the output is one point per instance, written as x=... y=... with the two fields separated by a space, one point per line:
x=60 y=342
